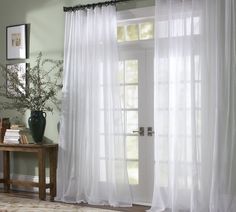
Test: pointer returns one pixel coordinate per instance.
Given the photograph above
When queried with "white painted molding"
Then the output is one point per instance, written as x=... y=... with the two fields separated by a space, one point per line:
x=136 y=14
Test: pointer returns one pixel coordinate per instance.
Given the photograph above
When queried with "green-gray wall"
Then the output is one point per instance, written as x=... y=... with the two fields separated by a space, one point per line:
x=46 y=19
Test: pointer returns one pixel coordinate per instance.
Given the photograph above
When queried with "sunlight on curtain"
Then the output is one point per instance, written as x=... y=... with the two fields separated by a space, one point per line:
x=195 y=106
x=92 y=162
x=221 y=61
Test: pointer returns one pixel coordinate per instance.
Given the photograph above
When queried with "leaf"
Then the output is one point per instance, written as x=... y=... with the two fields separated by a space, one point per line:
x=44 y=82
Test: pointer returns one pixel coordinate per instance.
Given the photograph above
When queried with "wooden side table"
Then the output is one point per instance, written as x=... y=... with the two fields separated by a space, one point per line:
x=42 y=150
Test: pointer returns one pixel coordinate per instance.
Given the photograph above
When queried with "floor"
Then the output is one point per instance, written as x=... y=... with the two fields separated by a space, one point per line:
x=135 y=208
x=19 y=197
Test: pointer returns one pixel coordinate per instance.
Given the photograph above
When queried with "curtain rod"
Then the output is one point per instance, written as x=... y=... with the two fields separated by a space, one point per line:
x=87 y=6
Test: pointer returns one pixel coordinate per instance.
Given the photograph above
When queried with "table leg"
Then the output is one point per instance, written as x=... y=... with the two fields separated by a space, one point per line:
x=42 y=183
x=53 y=169
x=6 y=170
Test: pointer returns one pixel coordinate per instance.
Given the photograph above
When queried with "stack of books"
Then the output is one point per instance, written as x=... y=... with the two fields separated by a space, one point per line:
x=12 y=136
x=23 y=139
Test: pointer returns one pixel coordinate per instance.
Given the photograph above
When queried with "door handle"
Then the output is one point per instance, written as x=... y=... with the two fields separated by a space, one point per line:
x=140 y=131
x=150 y=132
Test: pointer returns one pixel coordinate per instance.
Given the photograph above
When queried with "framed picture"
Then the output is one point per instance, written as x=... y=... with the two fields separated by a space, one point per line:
x=16 y=79
x=16 y=42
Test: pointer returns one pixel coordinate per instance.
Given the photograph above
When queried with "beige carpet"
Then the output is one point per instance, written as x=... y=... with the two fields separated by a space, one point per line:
x=10 y=203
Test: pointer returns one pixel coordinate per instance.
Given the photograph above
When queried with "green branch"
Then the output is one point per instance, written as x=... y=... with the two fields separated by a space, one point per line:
x=44 y=82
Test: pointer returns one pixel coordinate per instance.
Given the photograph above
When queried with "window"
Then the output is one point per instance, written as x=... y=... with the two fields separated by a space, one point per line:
x=135 y=31
x=128 y=77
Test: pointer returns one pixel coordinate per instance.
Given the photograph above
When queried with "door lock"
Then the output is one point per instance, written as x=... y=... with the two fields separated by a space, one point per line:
x=150 y=132
x=140 y=131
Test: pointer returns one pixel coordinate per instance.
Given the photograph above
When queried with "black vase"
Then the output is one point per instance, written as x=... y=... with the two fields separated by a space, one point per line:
x=37 y=123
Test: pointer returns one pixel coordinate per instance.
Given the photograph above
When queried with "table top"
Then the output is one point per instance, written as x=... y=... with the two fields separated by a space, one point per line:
x=28 y=146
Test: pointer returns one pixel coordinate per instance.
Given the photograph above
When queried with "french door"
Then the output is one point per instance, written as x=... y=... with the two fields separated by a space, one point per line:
x=136 y=85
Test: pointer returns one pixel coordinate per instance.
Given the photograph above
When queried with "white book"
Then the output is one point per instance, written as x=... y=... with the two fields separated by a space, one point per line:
x=12 y=134
x=11 y=142
x=11 y=138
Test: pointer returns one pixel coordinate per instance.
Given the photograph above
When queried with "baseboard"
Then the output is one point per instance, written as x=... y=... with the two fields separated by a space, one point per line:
x=24 y=178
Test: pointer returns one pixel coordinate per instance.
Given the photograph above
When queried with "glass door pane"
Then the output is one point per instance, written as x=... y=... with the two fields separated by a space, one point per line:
x=135 y=92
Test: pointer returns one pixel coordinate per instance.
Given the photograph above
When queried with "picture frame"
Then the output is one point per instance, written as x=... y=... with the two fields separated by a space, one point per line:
x=16 y=42
x=18 y=71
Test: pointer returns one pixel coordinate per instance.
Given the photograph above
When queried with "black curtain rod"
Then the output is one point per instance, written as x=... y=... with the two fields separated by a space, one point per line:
x=87 y=6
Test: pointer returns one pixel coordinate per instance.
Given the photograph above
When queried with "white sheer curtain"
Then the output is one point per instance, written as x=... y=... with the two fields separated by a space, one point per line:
x=195 y=75
x=91 y=163
x=220 y=58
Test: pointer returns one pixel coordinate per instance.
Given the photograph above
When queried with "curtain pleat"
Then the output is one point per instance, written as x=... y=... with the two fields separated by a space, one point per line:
x=195 y=166
x=92 y=160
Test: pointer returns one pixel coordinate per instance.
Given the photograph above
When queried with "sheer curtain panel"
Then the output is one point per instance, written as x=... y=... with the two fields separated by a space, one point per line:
x=195 y=108
x=220 y=32
x=92 y=163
